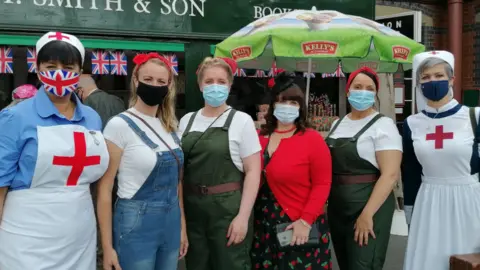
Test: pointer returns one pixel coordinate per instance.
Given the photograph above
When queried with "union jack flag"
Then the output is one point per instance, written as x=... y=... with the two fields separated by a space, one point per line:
x=118 y=63
x=172 y=59
x=100 y=62
x=337 y=73
x=6 y=60
x=240 y=72
x=59 y=82
x=274 y=70
x=259 y=74
x=32 y=60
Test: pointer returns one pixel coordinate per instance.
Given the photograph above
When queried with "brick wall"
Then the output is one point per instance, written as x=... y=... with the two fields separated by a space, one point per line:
x=433 y=36
x=436 y=37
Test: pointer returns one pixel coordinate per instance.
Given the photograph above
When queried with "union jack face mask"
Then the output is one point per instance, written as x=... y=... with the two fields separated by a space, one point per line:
x=60 y=82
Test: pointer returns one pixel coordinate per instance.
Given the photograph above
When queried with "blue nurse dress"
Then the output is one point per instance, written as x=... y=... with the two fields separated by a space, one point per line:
x=48 y=163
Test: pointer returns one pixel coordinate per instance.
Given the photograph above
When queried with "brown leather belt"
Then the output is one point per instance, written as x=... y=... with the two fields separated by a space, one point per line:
x=354 y=179
x=218 y=189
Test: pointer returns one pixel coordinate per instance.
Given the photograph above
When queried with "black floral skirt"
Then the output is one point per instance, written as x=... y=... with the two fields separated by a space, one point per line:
x=265 y=252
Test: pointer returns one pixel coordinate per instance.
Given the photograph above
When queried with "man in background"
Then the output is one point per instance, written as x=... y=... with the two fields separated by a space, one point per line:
x=106 y=105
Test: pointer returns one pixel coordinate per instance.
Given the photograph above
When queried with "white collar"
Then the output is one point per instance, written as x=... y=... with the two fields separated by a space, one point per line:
x=450 y=105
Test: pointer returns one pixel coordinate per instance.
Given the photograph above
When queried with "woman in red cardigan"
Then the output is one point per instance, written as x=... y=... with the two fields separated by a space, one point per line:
x=291 y=230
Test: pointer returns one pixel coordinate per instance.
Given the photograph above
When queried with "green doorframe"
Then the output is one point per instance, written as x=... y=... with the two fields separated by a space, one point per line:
x=114 y=44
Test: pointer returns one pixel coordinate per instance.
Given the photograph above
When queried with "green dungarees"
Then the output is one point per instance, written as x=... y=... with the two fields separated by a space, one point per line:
x=347 y=201
x=208 y=163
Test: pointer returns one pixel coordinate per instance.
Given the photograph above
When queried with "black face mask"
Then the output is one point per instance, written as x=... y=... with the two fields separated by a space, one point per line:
x=152 y=95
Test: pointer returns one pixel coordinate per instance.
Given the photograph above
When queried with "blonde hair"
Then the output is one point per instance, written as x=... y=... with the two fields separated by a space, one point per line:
x=210 y=62
x=166 y=110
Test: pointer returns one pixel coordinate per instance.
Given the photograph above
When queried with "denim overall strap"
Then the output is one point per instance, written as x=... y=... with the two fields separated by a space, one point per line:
x=176 y=139
x=143 y=136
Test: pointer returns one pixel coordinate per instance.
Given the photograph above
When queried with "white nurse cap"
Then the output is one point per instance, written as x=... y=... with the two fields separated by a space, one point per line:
x=418 y=60
x=54 y=36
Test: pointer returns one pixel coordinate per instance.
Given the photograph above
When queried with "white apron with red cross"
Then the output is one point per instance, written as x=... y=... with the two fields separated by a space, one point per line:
x=446 y=214
x=52 y=225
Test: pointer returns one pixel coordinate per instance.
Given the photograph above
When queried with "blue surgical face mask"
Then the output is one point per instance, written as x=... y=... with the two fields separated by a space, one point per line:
x=285 y=113
x=435 y=90
x=215 y=94
x=361 y=99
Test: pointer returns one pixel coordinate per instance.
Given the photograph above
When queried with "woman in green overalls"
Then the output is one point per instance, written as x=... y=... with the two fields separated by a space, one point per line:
x=221 y=174
x=366 y=151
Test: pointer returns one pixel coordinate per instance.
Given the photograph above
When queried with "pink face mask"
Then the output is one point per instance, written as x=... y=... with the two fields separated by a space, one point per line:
x=24 y=91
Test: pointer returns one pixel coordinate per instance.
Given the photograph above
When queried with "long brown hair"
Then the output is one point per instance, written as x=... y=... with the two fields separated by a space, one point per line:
x=166 y=111
x=285 y=89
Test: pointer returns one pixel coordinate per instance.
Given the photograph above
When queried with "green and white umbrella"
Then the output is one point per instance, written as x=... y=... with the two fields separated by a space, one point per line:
x=315 y=41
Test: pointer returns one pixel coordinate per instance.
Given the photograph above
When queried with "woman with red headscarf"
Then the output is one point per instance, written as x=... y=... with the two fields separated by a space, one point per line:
x=366 y=151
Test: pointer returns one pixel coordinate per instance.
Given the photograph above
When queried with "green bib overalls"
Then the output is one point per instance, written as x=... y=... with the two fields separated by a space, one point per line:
x=212 y=197
x=353 y=181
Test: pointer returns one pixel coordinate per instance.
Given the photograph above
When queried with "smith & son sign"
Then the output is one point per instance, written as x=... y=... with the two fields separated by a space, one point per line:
x=210 y=19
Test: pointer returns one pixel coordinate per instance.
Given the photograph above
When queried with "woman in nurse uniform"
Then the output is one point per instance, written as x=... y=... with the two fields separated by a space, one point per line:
x=440 y=170
x=222 y=174
x=51 y=150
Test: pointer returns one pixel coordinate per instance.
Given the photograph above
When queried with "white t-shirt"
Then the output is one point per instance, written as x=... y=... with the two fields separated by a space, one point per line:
x=382 y=135
x=138 y=159
x=243 y=138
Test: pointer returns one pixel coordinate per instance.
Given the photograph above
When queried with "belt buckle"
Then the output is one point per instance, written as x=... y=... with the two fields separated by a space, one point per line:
x=203 y=189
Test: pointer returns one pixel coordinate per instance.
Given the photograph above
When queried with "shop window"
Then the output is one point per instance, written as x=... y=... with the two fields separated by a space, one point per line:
x=250 y=94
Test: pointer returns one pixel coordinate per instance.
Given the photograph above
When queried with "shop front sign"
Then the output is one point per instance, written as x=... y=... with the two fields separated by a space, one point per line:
x=209 y=19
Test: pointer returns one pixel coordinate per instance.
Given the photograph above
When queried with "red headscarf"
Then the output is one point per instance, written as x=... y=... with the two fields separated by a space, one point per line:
x=230 y=62
x=233 y=65
x=363 y=70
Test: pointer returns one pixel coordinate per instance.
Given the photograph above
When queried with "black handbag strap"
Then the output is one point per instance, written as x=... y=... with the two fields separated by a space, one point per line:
x=476 y=134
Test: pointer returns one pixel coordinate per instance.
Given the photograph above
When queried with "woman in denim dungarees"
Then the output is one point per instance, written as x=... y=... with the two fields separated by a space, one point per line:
x=146 y=153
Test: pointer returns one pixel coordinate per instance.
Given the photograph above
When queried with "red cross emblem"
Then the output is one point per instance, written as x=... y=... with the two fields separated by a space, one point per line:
x=439 y=136
x=434 y=53
x=58 y=36
x=78 y=161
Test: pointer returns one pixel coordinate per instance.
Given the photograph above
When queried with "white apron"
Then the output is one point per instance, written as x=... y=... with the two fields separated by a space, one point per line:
x=51 y=225
x=446 y=215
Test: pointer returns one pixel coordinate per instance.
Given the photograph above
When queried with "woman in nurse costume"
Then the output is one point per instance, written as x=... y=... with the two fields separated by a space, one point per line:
x=440 y=170
x=51 y=150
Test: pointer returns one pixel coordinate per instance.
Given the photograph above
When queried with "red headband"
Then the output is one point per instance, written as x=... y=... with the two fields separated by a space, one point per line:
x=141 y=58
x=230 y=62
x=362 y=70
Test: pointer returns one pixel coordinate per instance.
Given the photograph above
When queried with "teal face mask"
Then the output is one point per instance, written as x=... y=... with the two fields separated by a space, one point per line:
x=215 y=94
x=285 y=113
x=361 y=99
